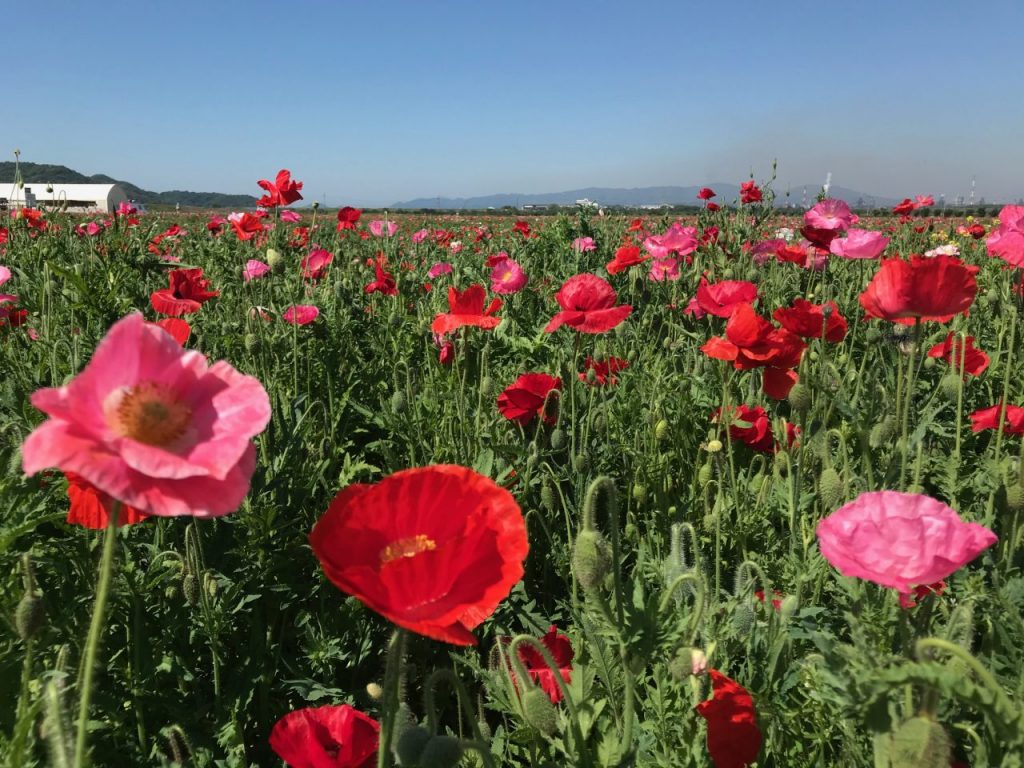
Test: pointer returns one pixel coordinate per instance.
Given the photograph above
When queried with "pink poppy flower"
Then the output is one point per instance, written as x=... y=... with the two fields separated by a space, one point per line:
x=440 y=268
x=859 y=244
x=663 y=270
x=507 y=277
x=153 y=425
x=383 y=228
x=314 y=266
x=420 y=235
x=584 y=244
x=300 y=314
x=677 y=239
x=830 y=215
x=900 y=540
x=5 y=275
x=290 y=217
x=254 y=268
x=1007 y=241
x=766 y=250
x=588 y=305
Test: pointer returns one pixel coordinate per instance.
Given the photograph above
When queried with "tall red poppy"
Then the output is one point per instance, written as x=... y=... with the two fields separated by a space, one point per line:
x=524 y=399
x=603 y=370
x=625 y=257
x=432 y=549
x=751 y=426
x=384 y=281
x=750 y=192
x=522 y=228
x=177 y=328
x=91 y=508
x=988 y=418
x=560 y=648
x=950 y=350
x=923 y=288
x=348 y=217
x=282 y=191
x=326 y=737
x=246 y=226
x=588 y=305
x=706 y=193
x=187 y=292
x=808 y=320
x=467 y=308
x=734 y=740
x=753 y=342
x=721 y=299
x=314 y=265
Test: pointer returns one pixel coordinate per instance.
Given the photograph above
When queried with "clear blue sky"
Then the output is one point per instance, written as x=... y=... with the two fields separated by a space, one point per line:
x=371 y=103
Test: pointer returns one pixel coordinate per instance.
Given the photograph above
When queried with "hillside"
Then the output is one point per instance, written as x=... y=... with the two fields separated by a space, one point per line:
x=41 y=173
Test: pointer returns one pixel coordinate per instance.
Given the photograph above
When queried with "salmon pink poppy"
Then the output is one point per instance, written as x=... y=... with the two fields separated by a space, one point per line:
x=588 y=305
x=187 y=292
x=440 y=268
x=326 y=737
x=348 y=217
x=280 y=192
x=507 y=277
x=721 y=299
x=560 y=648
x=859 y=244
x=153 y=425
x=530 y=396
x=734 y=739
x=900 y=540
x=924 y=289
x=314 y=266
x=1007 y=241
x=300 y=314
x=91 y=508
x=467 y=308
x=584 y=244
x=432 y=549
x=988 y=418
x=677 y=239
x=625 y=257
x=290 y=217
x=381 y=228
x=176 y=327
x=5 y=275
x=974 y=360
x=664 y=270
x=811 y=321
x=254 y=269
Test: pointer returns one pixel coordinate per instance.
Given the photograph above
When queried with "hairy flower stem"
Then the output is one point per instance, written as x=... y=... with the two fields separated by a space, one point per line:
x=905 y=427
x=92 y=644
x=392 y=696
x=990 y=508
x=954 y=466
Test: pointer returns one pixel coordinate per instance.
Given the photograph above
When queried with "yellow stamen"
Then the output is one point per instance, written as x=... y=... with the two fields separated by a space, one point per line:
x=152 y=415
x=410 y=547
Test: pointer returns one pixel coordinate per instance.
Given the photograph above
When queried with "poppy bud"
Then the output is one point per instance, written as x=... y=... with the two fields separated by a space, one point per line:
x=190 y=588
x=547 y=496
x=799 y=398
x=316 y=204
x=274 y=259
x=30 y=616
x=411 y=744
x=399 y=402
x=949 y=386
x=929 y=363
x=873 y=335
x=1015 y=497
x=688 y=662
x=579 y=462
x=756 y=482
x=639 y=493
x=727 y=274
x=991 y=297
x=441 y=752
x=591 y=559
x=882 y=432
x=252 y=342
x=210 y=584
x=540 y=712
x=558 y=439
x=485 y=729
x=920 y=743
x=743 y=619
x=789 y=606
x=704 y=474
x=591 y=375
x=830 y=486
x=486 y=386
x=661 y=430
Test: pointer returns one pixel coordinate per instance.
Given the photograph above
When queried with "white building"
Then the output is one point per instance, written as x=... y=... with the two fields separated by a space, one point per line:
x=75 y=198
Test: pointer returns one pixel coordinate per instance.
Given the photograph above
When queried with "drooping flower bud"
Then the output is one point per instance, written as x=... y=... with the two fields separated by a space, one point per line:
x=540 y=712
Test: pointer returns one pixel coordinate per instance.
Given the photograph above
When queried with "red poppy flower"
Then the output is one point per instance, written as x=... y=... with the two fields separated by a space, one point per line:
x=920 y=592
x=777 y=382
x=91 y=508
x=326 y=737
x=247 y=226
x=299 y=238
x=937 y=289
x=976 y=231
x=808 y=320
x=282 y=191
x=384 y=282
x=177 y=328
x=604 y=370
x=314 y=266
x=988 y=418
x=753 y=342
x=432 y=549
x=905 y=208
x=156 y=246
x=721 y=299
x=524 y=399
x=446 y=356
x=713 y=207
x=751 y=426
x=33 y=217
x=820 y=238
x=522 y=228
x=734 y=740
x=588 y=306
x=975 y=361
x=467 y=308
x=186 y=294
x=625 y=257
x=636 y=225
x=560 y=648
x=706 y=193
x=750 y=192
x=348 y=217
x=776 y=598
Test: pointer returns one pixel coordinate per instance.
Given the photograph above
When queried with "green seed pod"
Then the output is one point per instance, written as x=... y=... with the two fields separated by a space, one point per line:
x=580 y=462
x=991 y=297
x=639 y=493
x=411 y=744
x=799 y=398
x=30 y=616
x=1015 y=497
x=441 y=752
x=949 y=386
x=591 y=559
x=704 y=473
x=661 y=430
x=743 y=619
x=920 y=743
x=540 y=712
x=274 y=259
x=399 y=402
x=252 y=342
x=830 y=486
x=874 y=335
x=190 y=588
x=600 y=423
x=547 y=496
x=882 y=432
x=486 y=386
x=753 y=275
x=558 y=439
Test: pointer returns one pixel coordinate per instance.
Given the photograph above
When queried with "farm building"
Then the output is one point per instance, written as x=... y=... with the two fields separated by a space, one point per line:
x=76 y=198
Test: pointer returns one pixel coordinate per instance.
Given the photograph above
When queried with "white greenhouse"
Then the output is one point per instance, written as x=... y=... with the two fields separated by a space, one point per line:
x=76 y=198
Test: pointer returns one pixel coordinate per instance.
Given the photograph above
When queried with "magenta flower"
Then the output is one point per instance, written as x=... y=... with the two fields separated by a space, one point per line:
x=5 y=275
x=300 y=314
x=664 y=269
x=420 y=235
x=153 y=425
x=677 y=239
x=900 y=540
x=1007 y=242
x=507 y=277
x=254 y=268
x=290 y=216
x=832 y=215
x=584 y=244
x=766 y=250
x=859 y=244
x=440 y=268
x=383 y=228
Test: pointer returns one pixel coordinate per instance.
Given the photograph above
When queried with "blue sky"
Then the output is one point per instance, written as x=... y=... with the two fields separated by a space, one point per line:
x=371 y=103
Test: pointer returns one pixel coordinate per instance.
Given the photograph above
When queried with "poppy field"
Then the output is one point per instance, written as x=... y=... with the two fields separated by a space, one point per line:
x=339 y=488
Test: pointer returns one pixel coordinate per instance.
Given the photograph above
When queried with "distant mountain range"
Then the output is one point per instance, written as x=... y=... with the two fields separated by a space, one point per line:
x=639 y=196
x=39 y=173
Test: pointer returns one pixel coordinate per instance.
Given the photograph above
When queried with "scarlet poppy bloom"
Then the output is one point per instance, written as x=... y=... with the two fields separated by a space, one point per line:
x=904 y=208
x=326 y=737
x=713 y=207
x=721 y=299
x=819 y=238
x=920 y=592
x=186 y=294
x=522 y=228
x=91 y=508
x=560 y=648
x=753 y=342
x=300 y=314
x=314 y=266
x=588 y=306
x=734 y=740
x=446 y=356
x=750 y=192
x=923 y=288
x=988 y=418
x=603 y=370
x=384 y=282
x=467 y=308
x=348 y=217
x=777 y=382
x=432 y=549
x=636 y=225
x=776 y=598
x=246 y=226
x=808 y=320
x=153 y=425
x=751 y=426
x=706 y=193
x=625 y=257
x=524 y=399
x=975 y=361
x=282 y=191
x=177 y=328
x=976 y=231
x=33 y=217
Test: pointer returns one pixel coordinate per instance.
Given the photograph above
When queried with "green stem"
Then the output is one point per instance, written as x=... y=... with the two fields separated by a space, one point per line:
x=392 y=694
x=905 y=427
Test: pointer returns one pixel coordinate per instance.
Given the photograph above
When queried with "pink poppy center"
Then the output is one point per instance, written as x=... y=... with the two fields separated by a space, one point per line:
x=149 y=413
x=409 y=547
